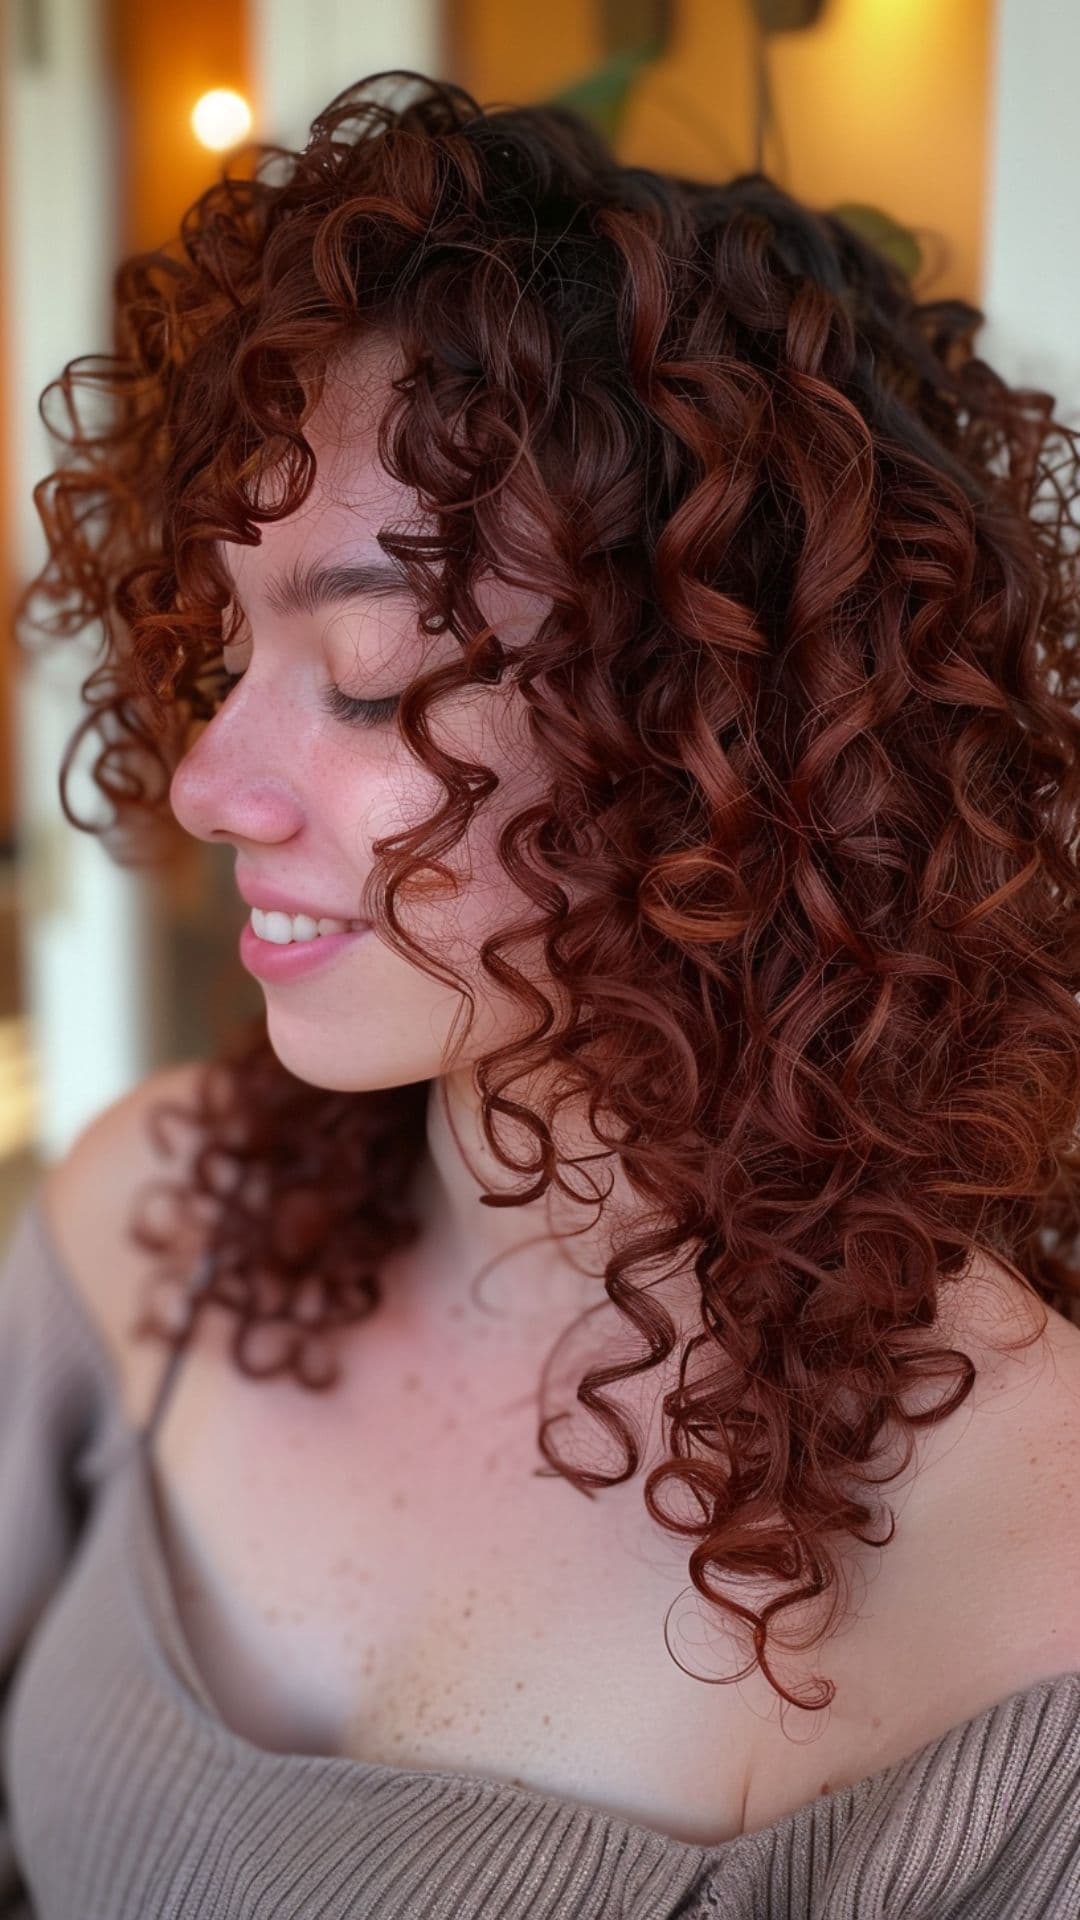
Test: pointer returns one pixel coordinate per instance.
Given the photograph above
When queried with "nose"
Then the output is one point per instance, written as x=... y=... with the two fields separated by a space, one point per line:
x=228 y=787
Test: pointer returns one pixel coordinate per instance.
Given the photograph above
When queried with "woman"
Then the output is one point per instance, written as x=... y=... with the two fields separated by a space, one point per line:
x=627 y=641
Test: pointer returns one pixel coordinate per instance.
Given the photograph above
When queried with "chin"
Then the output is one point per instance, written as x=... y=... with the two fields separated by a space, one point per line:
x=316 y=1056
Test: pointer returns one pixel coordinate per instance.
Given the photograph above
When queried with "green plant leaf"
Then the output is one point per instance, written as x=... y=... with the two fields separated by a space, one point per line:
x=601 y=96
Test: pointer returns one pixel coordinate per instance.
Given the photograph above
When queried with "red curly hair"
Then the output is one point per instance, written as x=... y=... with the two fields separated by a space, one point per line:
x=807 y=703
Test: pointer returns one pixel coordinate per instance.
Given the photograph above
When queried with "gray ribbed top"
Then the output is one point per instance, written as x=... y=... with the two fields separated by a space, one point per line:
x=125 y=1796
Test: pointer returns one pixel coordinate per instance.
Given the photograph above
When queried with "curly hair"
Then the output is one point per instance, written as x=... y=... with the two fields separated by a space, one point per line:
x=805 y=703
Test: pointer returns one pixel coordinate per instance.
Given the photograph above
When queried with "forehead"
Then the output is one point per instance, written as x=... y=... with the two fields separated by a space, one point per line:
x=352 y=498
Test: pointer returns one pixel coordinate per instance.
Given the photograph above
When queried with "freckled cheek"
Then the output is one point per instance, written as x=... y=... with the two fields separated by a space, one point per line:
x=359 y=794
x=355 y=800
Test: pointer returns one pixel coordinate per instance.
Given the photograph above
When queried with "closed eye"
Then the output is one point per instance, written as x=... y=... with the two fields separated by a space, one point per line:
x=340 y=705
x=359 y=713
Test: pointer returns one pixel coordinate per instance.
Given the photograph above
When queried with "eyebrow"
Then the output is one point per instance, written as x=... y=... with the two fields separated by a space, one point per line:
x=305 y=586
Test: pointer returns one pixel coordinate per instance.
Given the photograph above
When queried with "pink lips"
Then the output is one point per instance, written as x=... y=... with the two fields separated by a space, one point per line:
x=270 y=961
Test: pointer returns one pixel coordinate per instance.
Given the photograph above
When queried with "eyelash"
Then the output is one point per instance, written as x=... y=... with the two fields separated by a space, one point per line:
x=342 y=706
x=359 y=713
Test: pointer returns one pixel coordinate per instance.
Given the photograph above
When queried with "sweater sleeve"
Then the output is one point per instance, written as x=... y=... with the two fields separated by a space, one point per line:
x=982 y=1823
x=58 y=1409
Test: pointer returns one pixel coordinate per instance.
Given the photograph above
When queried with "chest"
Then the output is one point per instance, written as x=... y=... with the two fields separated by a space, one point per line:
x=388 y=1571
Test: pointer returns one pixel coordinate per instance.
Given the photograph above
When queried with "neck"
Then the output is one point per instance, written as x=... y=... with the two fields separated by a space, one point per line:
x=531 y=1264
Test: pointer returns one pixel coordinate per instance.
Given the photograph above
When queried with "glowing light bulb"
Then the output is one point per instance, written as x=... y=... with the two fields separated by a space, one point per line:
x=220 y=118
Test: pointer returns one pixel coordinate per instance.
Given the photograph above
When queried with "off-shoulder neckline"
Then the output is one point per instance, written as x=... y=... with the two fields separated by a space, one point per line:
x=160 y=1617
x=163 y=1621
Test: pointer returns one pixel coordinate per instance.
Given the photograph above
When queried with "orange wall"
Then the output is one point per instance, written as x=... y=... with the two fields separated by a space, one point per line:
x=163 y=56
x=501 y=52
x=883 y=101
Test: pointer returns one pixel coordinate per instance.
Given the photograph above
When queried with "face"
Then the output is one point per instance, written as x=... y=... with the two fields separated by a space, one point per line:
x=302 y=792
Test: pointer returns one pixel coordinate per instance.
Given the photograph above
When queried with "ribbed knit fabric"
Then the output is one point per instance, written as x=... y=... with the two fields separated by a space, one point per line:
x=125 y=1796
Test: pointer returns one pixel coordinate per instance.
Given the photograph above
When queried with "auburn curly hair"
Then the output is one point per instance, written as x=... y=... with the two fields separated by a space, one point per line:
x=806 y=705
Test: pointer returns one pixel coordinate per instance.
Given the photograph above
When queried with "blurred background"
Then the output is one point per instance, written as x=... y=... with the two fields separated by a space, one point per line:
x=947 y=127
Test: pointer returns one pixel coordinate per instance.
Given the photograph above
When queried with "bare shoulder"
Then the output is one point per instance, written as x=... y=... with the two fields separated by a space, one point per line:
x=974 y=1597
x=1005 y=1514
x=87 y=1198
x=987 y=1548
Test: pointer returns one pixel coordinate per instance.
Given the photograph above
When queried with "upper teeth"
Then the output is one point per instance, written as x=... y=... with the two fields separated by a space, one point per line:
x=283 y=927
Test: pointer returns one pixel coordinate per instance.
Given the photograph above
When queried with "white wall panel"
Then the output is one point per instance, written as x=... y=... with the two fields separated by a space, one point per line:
x=88 y=943
x=1031 y=292
x=304 y=55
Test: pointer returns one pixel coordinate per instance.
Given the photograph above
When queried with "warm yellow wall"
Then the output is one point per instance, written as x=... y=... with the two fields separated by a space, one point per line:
x=883 y=101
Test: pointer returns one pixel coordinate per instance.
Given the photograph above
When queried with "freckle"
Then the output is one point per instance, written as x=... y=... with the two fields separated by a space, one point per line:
x=547 y=1719
x=467 y=1613
x=272 y=1613
x=411 y=1382
x=518 y=1685
x=398 y=1499
x=455 y=1312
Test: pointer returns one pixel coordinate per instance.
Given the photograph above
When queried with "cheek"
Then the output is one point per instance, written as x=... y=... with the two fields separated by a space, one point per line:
x=492 y=898
x=457 y=913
